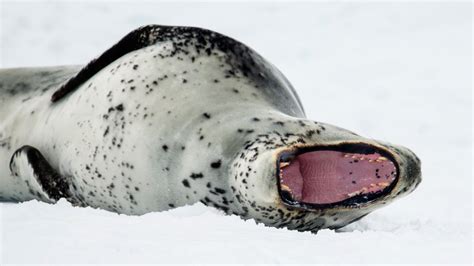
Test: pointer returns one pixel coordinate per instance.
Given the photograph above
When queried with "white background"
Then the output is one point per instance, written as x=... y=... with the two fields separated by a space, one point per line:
x=399 y=72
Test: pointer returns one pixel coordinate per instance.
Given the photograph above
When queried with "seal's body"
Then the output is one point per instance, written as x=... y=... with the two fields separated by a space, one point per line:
x=170 y=116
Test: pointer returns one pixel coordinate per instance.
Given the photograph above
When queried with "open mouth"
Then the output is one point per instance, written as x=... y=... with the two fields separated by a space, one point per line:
x=347 y=174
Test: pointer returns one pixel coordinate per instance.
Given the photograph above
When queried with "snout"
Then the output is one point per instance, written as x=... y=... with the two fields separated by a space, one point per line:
x=409 y=167
x=413 y=168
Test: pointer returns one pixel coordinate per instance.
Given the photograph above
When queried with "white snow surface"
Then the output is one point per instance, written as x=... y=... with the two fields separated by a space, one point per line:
x=400 y=72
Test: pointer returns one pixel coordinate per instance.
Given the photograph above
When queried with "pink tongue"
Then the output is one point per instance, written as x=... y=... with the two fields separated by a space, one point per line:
x=322 y=177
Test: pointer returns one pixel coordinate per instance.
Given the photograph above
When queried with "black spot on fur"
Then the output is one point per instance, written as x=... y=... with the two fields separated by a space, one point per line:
x=219 y=190
x=196 y=176
x=106 y=131
x=310 y=133
x=216 y=164
x=186 y=183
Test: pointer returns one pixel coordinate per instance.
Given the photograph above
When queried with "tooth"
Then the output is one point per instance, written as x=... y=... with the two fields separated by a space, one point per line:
x=285 y=187
x=353 y=194
x=284 y=164
x=363 y=190
x=382 y=158
x=383 y=184
x=370 y=161
x=353 y=157
x=347 y=155
x=373 y=185
x=362 y=158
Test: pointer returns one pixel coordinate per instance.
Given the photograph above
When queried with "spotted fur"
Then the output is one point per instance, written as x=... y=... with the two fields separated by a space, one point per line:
x=167 y=117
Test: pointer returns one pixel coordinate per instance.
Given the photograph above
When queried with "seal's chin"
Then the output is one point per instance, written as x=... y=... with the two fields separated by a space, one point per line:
x=346 y=174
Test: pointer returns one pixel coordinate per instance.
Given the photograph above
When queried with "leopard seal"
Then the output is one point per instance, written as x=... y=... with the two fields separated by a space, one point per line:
x=171 y=116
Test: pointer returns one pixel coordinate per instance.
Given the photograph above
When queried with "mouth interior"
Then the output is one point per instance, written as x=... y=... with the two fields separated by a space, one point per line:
x=331 y=176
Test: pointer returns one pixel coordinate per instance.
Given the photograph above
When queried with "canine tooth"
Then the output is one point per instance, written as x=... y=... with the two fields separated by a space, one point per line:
x=285 y=187
x=284 y=164
x=382 y=158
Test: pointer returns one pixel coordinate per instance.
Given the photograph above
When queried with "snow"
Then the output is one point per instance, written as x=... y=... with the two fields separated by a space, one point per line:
x=400 y=72
x=202 y=234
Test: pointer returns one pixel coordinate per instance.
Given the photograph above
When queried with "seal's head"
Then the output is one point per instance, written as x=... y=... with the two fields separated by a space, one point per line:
x=322 y=177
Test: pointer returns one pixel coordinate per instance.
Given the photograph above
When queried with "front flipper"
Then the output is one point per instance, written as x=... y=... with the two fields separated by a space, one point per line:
x=28 y=164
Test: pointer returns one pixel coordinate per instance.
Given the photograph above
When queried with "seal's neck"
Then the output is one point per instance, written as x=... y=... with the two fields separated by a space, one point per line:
x=251 y=143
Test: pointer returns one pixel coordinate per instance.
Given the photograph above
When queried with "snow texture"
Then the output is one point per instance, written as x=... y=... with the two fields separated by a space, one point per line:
x=399 y=72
